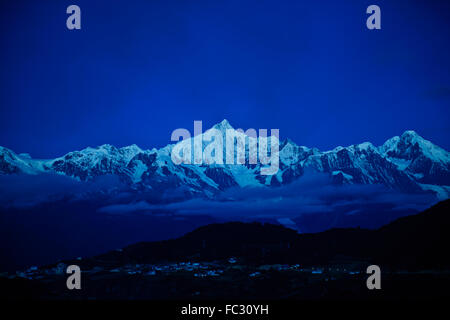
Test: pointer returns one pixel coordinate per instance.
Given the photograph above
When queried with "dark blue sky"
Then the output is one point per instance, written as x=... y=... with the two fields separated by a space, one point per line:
x=139 y=69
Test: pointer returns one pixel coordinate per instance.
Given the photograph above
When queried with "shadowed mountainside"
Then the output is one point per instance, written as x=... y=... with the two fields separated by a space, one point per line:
x=413 y=242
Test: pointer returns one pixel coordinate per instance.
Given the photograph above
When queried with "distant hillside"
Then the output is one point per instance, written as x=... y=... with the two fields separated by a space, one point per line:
x=413 y=242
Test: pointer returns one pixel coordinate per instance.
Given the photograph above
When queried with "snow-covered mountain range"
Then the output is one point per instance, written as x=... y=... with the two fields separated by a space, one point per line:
x=408 y=163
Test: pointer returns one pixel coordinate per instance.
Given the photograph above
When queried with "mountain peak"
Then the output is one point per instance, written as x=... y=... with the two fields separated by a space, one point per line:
x=223 y=125
x=410 y=144
x=366 y=146
x=132 y=147
x=411 y=135
x=408 y=137
x=287 y=142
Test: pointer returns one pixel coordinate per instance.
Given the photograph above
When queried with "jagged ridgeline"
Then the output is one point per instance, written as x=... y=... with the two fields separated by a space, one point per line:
x=408 y=163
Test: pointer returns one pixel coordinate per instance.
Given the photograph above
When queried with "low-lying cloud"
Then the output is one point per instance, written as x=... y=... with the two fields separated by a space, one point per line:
x=22 y=190
x=310 y=194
